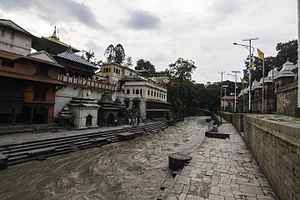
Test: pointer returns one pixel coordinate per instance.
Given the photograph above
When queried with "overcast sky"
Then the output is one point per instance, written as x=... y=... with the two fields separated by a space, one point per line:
x=163 y=30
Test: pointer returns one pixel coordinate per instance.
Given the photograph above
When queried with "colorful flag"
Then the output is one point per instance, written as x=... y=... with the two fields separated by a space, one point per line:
x=261 y=54
x=251 y=66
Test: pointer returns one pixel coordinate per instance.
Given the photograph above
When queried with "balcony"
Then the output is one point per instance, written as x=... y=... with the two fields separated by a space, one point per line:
x=89 y=83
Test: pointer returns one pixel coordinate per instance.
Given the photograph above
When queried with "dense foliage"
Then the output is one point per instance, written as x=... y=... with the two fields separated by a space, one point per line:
x=142 y=64
x=285 y=51
x=90 y=57
x=115 y=53
x=196 y=96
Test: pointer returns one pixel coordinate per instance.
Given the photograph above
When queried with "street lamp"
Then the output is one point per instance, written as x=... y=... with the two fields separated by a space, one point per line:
x=251 y=50
x=225 y=88
x=235 y=79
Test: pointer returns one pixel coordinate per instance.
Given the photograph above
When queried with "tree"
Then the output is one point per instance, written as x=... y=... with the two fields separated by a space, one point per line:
x=90 y=57
x=110 y=53
x=181 y=72
x=141 y=64
x=119 y=54
x=285 y=50
x=128 y=61
x=182 y=69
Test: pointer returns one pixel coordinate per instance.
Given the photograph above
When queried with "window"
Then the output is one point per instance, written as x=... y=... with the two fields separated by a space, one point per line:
x=6 y=62
x=128 y=91
x=133 y=91
x=42 y=71
x=40 y=93
x=137 y=91
x=154 y=94
x=151 y=93
x=141 y=91
x=148 y=92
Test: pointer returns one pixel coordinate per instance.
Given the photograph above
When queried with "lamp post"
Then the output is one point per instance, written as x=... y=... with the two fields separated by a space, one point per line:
x=225 y=88
x=251 y=50
x=221 y=91
x=235 y=79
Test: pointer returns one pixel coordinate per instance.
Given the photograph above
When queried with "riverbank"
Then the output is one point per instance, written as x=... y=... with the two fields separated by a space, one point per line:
x=133 y=169
x=221 y=170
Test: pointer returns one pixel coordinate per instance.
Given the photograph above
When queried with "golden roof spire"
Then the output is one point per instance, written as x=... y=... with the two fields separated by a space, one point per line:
x=54 y=35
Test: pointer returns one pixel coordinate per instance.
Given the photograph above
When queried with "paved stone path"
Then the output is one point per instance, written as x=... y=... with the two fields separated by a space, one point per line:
x=221 y=170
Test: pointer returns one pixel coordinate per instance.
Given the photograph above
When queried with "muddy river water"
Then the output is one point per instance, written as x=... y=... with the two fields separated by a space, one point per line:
x=129 y=170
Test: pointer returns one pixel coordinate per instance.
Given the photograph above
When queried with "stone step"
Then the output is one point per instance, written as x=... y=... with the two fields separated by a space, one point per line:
x=40 y=149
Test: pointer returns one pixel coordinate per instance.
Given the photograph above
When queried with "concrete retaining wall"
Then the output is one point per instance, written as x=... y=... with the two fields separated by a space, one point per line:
x=276 y=147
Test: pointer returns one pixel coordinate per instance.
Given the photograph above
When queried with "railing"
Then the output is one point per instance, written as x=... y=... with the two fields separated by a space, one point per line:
x=80 y=81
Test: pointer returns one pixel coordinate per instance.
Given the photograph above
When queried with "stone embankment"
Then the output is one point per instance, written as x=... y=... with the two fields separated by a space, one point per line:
x=15 y=151
x=274 y=141
x=221 y=169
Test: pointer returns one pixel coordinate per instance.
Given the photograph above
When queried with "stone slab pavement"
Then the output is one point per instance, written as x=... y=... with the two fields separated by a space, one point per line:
x=221 y=170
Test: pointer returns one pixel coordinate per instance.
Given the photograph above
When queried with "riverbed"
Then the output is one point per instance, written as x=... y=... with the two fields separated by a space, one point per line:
x=133 y=169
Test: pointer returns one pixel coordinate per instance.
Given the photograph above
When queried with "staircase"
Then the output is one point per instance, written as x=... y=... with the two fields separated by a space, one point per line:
x=40 y=149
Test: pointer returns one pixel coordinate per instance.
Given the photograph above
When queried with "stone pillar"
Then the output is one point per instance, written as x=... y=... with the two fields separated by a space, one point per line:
x=143 y=109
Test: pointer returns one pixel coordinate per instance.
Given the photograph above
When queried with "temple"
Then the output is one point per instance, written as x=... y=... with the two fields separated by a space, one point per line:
x=28 y=80
x=55 y=84
x=280 y=92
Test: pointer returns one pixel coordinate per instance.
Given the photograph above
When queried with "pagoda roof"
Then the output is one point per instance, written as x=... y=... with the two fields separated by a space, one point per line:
x=69 y=55
x=13 y=26
x=286 y=70
x=51 y=45
x=30 y=57
x=256 y=85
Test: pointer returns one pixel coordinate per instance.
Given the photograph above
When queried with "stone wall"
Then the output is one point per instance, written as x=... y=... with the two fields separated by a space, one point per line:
x=227 y=116
x=237 y=121
x=275 y=144
x=287 y=99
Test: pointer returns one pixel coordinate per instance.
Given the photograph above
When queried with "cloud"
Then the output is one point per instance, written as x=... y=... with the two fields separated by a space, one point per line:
x=56 y=11
x=225 y=8
x=142 y=20
x=99 y=50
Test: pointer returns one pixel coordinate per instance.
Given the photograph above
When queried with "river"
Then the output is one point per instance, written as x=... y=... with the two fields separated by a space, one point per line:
x=128 y=170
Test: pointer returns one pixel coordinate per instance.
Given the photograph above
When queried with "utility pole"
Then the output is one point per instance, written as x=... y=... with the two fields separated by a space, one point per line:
x=298 y=54
x=235 y=80
x=251 y=49
x=225 y=89
x=221 y=91
x=263 y=88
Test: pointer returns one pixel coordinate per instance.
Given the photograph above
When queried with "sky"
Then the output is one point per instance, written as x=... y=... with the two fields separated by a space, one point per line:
x=161 y=31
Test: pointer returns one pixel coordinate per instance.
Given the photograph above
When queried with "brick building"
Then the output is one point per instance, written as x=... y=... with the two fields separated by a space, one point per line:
x=28 y=81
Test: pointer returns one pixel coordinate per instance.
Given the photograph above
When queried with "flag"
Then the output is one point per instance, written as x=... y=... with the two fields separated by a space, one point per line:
x=242 y=80
x=261 y=54
x=251 y=66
